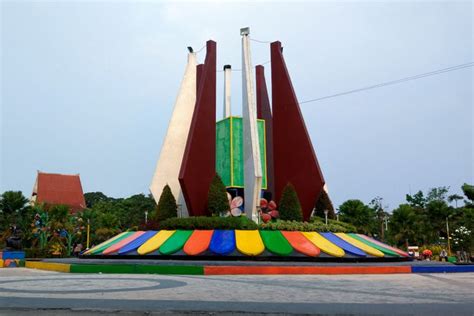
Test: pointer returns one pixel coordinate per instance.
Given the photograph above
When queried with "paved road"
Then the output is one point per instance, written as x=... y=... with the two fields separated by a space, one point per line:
x=34 y=292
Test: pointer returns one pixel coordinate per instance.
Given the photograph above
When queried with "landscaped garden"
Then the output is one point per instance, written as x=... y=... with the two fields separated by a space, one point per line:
x=51 y=231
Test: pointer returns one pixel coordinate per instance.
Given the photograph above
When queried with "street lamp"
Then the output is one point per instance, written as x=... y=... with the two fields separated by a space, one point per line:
x=447 y=232
x=88 y=233
x=146 y=217
x=258 y=216
x=326 y=215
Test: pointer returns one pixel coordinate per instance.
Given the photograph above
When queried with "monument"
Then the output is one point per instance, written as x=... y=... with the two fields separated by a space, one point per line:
x=256 y=155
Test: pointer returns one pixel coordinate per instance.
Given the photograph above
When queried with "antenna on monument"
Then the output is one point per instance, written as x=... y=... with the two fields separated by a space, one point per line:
x=227 y=89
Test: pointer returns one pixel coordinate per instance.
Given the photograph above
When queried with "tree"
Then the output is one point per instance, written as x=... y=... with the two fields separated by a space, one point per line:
x=133 y=209
x=12 y=202
x=436 y=213
x=468 y=191
x=167 y=207
x=381 y=215
x=455 y=198
x=129 y=212
x=13 y=209
x=324 y=203
x=360 y=215
x=217 y=202
x=403 y=225
x=416 y=200
x=93 y=198
x=290 y=207
x=437 y=194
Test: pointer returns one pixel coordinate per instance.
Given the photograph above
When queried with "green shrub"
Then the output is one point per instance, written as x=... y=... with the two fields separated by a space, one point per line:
x=290 y=207
x=335 y=225
x=304 y=226
x=203 y=222
x=167 y=207
x=324 y=203
x=217 y=202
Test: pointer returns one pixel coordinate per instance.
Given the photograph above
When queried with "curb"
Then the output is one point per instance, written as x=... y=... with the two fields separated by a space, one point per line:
x=241 y=270
x=49 y=266
x=443 y=269
x=233 y=270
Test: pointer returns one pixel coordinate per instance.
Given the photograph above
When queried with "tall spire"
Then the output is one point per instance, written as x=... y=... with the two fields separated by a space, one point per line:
x=172 y=150
x=252 y=162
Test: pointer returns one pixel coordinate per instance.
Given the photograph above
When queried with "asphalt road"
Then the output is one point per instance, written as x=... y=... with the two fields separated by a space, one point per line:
x=34 y=292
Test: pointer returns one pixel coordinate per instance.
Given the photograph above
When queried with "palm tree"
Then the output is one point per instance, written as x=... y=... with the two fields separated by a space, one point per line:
x=455 y=198
x=404 y=223
x=12 y=204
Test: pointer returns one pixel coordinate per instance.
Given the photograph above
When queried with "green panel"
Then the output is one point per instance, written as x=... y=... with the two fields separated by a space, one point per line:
x=223 y=158
x=371 y=244
x=230 y=151
x=176 y=242
x=237 y=152
x=263 y=151
x=136 y=268
x=276 y=243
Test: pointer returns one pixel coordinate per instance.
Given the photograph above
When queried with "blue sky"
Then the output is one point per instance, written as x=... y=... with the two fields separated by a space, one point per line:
x=88 y=87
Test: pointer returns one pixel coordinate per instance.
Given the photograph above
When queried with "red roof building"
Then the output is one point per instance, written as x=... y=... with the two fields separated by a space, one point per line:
x=54 y=189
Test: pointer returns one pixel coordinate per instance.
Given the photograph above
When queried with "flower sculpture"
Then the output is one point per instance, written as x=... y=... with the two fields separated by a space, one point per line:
x=268 y=210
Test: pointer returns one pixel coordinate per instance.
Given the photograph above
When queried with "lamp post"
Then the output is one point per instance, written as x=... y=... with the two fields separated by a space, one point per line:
x=88 y=233
x=326 y=215
x=258 y=217
x=447 y=232
x=146 y=217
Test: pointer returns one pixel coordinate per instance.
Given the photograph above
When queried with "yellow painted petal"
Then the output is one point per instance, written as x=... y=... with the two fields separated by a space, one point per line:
x=249 y=242
x=359 y=244
x=155 y=242
x=325 y=245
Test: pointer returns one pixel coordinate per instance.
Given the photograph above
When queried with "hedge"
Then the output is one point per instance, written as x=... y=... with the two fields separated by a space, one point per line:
x=202 y=222
x=305 y=226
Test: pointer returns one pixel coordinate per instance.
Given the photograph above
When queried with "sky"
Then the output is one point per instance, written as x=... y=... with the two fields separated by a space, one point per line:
x=88 y=87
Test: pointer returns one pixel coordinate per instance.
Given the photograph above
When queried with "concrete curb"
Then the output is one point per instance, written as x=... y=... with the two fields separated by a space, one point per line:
x=241 y=270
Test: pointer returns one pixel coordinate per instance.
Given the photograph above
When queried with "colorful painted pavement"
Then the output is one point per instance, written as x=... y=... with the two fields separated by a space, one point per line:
x=246 y=243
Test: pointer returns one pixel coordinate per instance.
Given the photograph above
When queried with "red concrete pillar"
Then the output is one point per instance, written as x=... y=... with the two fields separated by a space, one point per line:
x=294 y=157
x=264 y=112
x=199 y=69
x=199 y=161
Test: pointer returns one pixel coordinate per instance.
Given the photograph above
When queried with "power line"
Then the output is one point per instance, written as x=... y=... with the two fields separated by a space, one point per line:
x=239 y=69
x=379 y=85
x=260 y=41
x=200 y=49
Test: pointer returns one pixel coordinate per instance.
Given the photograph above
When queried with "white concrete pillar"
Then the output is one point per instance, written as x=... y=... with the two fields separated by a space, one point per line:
x=252 y=162
x=227 y=90
x=172 y=150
